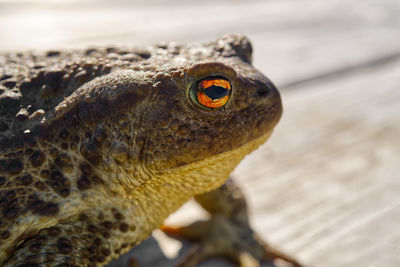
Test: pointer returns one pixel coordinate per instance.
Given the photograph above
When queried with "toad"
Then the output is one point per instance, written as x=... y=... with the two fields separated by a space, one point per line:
x=98 y=146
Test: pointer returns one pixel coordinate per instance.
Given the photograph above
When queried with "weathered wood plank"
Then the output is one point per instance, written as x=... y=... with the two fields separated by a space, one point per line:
x=325 y=187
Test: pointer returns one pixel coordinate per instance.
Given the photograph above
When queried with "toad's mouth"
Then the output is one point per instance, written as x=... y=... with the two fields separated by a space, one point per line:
x=217 y=168
x=242 y=149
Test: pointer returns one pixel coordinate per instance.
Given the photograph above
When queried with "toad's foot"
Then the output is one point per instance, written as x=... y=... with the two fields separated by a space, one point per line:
x=227 y=233
x=219 y=237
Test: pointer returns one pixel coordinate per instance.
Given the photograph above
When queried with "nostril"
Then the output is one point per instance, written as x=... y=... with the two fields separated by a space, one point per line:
x=263 y=91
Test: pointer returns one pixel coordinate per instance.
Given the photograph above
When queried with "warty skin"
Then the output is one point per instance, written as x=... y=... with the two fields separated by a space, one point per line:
x=111 y=155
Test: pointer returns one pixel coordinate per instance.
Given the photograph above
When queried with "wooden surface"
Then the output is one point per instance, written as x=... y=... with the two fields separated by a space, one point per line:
x=326 y=187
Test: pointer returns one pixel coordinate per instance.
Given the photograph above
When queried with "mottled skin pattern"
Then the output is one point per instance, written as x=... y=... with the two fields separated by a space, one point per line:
x=98 y=146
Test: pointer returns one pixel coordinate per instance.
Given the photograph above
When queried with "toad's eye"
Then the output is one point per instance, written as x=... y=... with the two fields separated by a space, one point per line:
x=212 y=92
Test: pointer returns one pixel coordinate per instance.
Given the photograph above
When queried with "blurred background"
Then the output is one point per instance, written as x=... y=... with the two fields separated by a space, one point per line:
x=326 y=187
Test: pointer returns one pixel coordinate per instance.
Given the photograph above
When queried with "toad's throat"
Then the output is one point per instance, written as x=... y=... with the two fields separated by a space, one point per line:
x=177 y=185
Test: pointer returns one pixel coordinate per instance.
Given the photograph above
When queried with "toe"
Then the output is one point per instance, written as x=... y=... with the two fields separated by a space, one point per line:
x=196 y=254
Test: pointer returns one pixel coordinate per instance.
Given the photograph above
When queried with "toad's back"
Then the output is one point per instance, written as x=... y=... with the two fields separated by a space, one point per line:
x=98 y=146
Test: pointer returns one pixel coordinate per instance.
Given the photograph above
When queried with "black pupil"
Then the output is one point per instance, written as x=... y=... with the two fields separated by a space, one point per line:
x=216 y=92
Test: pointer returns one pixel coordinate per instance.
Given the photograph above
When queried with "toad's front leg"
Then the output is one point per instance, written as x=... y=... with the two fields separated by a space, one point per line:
x=227 y=233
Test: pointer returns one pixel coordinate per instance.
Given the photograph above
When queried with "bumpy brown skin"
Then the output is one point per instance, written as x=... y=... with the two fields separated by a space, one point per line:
x=98 y=146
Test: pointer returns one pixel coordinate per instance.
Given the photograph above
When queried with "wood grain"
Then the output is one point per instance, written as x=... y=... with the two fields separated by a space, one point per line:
x=326 y=187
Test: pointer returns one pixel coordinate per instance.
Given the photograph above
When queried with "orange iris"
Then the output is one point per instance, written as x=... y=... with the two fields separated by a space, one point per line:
x=209 y=102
